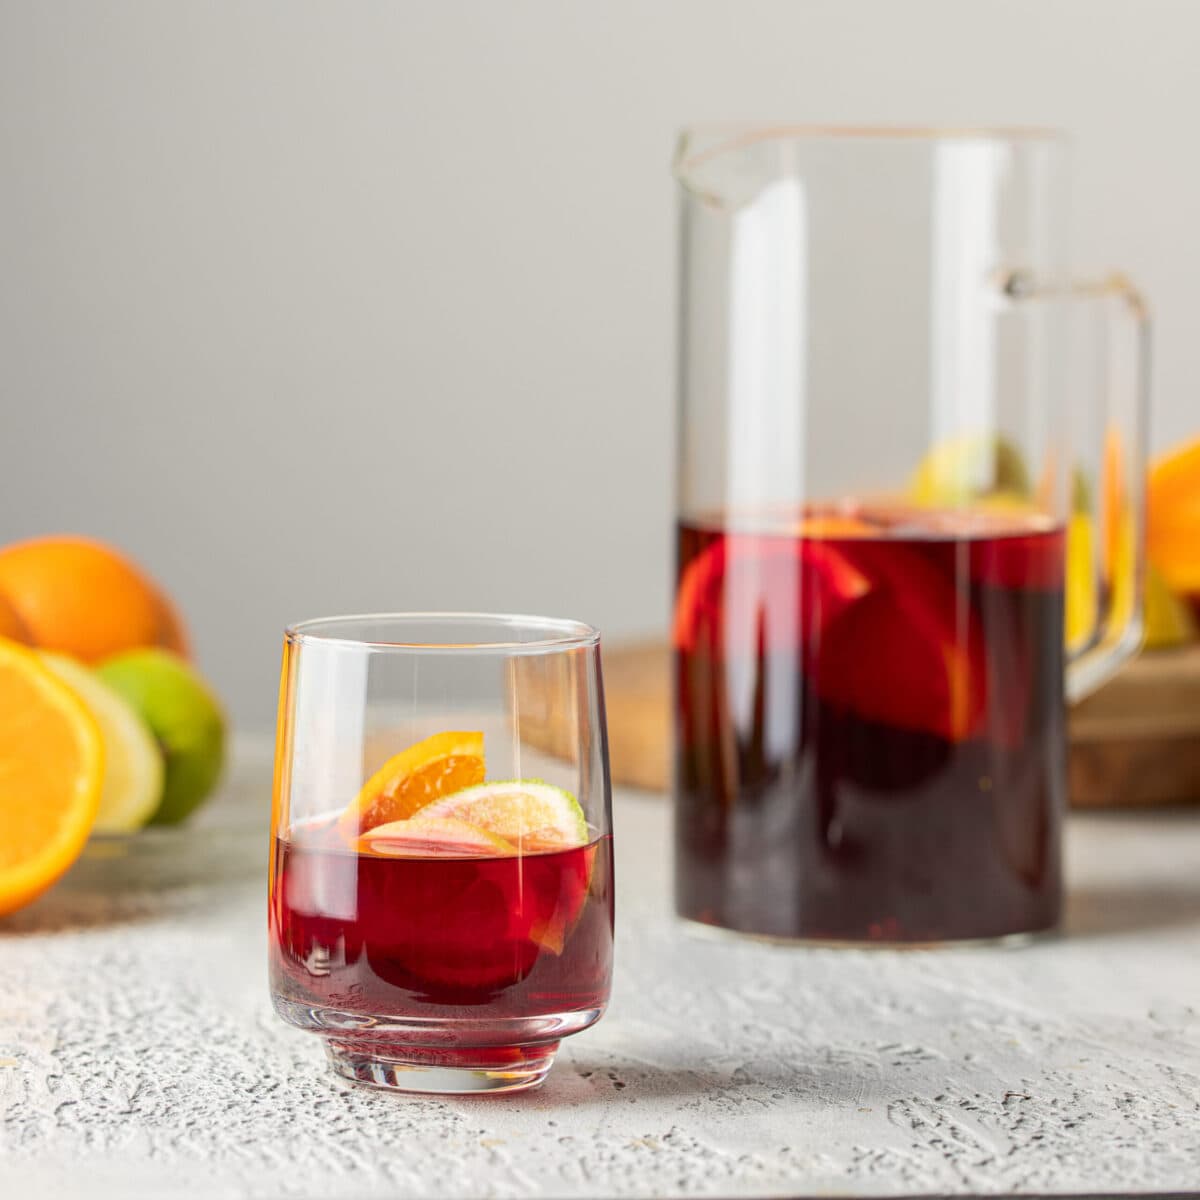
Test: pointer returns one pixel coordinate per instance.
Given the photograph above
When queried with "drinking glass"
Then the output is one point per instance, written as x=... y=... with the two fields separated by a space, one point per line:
x=905 y=430
x=441 y=892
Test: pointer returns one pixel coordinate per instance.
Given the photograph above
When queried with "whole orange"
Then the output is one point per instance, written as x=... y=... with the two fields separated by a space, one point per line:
x=11 y=625
x=173 y=633
x=85 y=598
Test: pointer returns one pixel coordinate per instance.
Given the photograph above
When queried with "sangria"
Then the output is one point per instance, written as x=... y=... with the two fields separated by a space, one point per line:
x=869 y=723
x=495 y=940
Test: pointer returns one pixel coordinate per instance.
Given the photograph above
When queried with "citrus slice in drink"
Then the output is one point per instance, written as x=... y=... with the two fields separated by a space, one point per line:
x=133 y=763
x=433 y=837
x=530 y=815
x=413 y=779
x=51 y=775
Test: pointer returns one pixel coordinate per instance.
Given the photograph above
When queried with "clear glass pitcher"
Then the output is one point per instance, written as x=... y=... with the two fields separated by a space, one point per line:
x=906 y=430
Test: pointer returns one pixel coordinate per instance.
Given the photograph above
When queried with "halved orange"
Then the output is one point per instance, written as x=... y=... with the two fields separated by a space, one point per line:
x=408 y=781
x=51 y=774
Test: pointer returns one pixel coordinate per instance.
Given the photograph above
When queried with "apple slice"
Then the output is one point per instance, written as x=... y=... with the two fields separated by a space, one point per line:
x=434 y=837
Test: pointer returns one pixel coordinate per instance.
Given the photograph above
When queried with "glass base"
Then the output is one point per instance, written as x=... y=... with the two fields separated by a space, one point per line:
x=721 y=933
x=420 y=1071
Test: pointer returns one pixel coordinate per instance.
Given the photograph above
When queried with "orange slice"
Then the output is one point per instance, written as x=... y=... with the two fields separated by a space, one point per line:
x=408 y=781
x=51 y=775
x=835 y=525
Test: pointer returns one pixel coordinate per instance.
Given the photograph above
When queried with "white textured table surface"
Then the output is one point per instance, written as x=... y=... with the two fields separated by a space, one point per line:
x=139 y=1055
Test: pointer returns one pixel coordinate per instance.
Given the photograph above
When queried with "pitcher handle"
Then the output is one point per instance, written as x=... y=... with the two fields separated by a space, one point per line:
x=1120 y=504
x=1118 y=550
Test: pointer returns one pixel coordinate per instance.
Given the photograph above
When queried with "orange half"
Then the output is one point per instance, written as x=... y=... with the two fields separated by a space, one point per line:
x=51 y=774
x=408 y=781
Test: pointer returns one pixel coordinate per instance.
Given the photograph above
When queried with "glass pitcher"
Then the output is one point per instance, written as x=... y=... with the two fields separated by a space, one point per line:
x=905 y=431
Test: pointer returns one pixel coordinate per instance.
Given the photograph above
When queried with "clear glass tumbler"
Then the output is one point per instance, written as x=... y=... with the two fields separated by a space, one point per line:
x=441 y=890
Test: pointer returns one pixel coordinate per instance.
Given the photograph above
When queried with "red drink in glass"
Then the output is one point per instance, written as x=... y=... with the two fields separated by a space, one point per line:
x=440 y=960
x=869 y=724
x=441 y=893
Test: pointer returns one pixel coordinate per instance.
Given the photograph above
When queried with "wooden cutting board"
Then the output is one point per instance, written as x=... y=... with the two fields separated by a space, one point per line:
x=1134 y=742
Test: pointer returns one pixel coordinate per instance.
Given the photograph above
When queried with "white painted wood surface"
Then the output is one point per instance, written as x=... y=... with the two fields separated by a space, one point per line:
x=139 y=1056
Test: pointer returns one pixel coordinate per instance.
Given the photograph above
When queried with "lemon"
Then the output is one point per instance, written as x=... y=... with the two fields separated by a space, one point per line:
x=133 y=764
x=962 y=469
x=1169 y=620
x=1082 y=599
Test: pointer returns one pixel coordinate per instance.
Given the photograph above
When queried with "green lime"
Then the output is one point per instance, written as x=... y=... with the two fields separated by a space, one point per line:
x=184 y=717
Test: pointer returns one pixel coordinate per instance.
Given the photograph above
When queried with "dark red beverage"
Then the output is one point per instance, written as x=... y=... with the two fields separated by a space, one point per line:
x=442 y=960
x=869 y=727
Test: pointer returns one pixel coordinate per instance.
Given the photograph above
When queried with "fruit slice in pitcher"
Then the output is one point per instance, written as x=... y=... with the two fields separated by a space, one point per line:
x=910 y=654
x=787 y=588
x=879 y=628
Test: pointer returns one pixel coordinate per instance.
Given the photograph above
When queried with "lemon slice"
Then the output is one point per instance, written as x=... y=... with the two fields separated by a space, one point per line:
x=133 y=764
x=1082 y=598
x=529 y=814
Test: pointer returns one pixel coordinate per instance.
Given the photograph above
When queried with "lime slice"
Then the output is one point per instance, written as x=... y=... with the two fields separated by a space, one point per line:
x=434 y=837
x=531 y=815
x=133 y=764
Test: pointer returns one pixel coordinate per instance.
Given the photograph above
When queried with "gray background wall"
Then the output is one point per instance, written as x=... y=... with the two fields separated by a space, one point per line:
x=319 y=307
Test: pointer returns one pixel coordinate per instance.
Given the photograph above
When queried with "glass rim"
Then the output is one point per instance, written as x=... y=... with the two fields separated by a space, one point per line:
x=722 y=136
x=552 y=634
